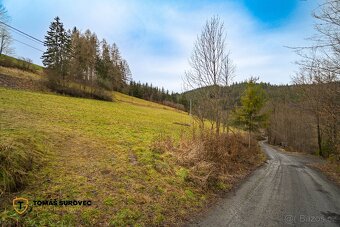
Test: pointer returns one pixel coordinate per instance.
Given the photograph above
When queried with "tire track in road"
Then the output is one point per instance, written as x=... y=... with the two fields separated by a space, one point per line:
x=284 y=192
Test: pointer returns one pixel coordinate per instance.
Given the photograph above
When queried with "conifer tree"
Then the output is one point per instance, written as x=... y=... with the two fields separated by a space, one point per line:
x=248 y=116
x=57 y=55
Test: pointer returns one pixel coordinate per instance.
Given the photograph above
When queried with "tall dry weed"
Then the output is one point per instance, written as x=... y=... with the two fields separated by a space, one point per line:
x=213 y=159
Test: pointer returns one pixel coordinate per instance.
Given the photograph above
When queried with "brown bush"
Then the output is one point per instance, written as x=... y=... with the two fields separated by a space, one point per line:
x=213 y=159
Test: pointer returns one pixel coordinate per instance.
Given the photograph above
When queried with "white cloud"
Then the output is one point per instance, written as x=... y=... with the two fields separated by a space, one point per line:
x=156 y=38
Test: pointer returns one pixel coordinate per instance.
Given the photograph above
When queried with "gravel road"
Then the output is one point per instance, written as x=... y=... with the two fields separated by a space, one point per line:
x=284 y=192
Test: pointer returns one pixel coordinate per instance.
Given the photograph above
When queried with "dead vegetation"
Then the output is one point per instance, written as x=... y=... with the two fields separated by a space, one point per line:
x=215 y=162
x=331 y=168
x=12 y=82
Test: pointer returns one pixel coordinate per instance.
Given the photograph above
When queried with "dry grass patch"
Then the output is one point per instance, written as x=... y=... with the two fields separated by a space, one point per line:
x=18 y=73
x=213 y=161
x=331 y=168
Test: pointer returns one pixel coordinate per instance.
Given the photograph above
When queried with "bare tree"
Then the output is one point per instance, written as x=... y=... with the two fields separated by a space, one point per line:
x=211 y=69
x=328 y=37
x=5 y=35
x=310 y=93
x=325 y=48
x=319 y=77
x=227 y=105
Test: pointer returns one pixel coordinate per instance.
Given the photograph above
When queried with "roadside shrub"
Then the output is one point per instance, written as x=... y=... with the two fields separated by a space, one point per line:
x=213 y=160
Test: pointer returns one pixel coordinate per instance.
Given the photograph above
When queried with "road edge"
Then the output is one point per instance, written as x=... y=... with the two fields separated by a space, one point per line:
x=225 y=194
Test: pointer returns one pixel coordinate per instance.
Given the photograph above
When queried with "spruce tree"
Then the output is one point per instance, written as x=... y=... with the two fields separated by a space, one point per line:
x=248 y=116
x=57 y=55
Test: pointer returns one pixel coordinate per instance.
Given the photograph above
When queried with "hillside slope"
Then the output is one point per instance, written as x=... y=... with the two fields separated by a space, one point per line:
x=120 y=155
x=93 y=150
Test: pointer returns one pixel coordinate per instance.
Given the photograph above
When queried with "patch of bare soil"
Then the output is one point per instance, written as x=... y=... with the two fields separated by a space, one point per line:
x=20 y=83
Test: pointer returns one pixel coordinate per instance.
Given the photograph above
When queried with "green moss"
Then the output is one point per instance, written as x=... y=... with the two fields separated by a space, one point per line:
x=189 y=194
x=222 y=186
x=109 y=201
x=125 y=217
x=182 y=173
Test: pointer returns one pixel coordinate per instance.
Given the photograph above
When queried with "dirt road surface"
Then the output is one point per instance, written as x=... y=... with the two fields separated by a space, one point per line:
x=283 y=192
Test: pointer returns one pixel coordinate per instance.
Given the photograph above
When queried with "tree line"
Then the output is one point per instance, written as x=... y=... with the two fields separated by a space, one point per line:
x=77 y=63
x=159 y=95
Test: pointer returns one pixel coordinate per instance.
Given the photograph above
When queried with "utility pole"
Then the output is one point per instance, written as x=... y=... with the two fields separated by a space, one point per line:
x=190 y=108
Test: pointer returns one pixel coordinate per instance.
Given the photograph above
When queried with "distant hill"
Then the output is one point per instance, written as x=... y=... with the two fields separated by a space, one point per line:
x=235 y=91
x=292 y=122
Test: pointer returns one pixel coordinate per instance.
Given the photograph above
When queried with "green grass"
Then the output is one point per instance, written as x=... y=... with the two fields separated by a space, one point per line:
x=14 y=62
x=141 y=102
x=88 y=149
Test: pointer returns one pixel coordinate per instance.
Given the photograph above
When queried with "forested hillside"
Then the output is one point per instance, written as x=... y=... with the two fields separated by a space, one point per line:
x=292 y=121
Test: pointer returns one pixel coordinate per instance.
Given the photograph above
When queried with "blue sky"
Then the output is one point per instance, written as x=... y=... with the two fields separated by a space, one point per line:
x=156 y=37
x=271 y=13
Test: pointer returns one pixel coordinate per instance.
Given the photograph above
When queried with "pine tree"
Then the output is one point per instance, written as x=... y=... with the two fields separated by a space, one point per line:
x=57 y=55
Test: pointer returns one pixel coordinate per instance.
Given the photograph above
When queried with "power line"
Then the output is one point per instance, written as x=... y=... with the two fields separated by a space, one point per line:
x=28 y=45
x=30 y=39
x=24 y=33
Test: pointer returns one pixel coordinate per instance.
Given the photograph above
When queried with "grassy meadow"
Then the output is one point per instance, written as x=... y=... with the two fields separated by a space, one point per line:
x=92 y=150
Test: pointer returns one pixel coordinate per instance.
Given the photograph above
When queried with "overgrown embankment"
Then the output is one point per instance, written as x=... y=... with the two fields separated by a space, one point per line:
x=214 y=162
